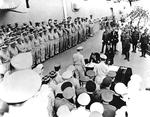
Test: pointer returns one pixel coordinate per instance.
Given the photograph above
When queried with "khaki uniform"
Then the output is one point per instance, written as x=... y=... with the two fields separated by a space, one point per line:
x=76 y=34
x=46 y=44
x=42 y=48
x=69 y=37
x=78 y=62
x=21 y=47
x=73 y=31
x=37 y=51
x=13 y=51
x=56 y=41
x=65 y=39
x=91 y=25
x=60 y=40
x=5 y=58
x=51 y=44
x=101 y=71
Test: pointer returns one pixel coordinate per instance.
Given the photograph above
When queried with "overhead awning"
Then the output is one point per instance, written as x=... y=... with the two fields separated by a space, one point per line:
x=9 y=4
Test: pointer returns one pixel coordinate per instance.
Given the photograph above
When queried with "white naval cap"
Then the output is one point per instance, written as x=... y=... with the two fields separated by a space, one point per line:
x=22 y=61
x=20 y=86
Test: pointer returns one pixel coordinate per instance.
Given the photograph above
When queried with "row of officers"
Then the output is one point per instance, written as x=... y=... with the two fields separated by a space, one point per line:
x=46 y=42
x=128 y=37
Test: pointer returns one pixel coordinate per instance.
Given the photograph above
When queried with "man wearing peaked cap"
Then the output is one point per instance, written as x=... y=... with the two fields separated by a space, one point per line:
x=101 y=70
x=20 y=61
x=97 y=106
x=66 y=85
x=5 y=56
x=111 y=74
x=90 y=74
x=106 y=83
x=84 y=80
x=62 y=110
x=107 y=97
x=83 y=99
x=68 y=76
x=20 y=86
x=13 y=49
x=103 y=56
x=39 y=69
x=62 y=101
x=52 y=74
x=78 y=62
x=95 y=114
x=90 y=86
x=69 y=93
x=109 y=113
x=57 y=68
x=20 y=46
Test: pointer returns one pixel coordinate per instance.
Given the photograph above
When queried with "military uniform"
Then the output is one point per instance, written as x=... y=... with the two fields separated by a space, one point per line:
x=42 y=46
x=51 y=43
x=78 y=62
x=110 y=55
x=114 y=39
x=76 y=33
x=101 y=71
x=20 y=46
x=5 y=56
x=31 y=41
x=106 y=39
x=46 y=44
x=69 y=36
x=135 y=37
x=65 y=37
x=56 y=41
x=60 y=33
x=144 y=40
x=13 y=49
x=123 y=41
x=73 y=34
x=37 y=50
x=91 y=25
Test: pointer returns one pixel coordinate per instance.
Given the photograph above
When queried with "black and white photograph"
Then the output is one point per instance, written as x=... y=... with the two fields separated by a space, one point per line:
x=74 y=58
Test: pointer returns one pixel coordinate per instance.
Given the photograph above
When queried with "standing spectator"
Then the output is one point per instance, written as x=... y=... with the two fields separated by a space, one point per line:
x=110 y=54
x=123 y=40
x=105 y=38
x=91 y=24
x=78 y=62
x=135 y=38
x=144 y=40
x=127 y=45
x=13 y=49
x=5 y=56
x=114 y=39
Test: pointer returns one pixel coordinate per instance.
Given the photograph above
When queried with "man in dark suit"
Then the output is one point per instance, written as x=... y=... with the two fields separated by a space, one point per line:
x=135 y=38
x=105 y=39
x=144 y=40
x=114 y=39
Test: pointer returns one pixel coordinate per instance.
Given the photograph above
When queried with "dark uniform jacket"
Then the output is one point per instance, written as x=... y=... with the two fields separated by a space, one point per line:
x=114 y=37
x=106 y=37
x=110 y=56
x=144 y=39
x=135 y=37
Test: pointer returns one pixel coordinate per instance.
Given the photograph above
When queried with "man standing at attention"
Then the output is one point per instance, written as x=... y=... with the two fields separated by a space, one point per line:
x=135 y=38
x=78 y=62
x=144 y=40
